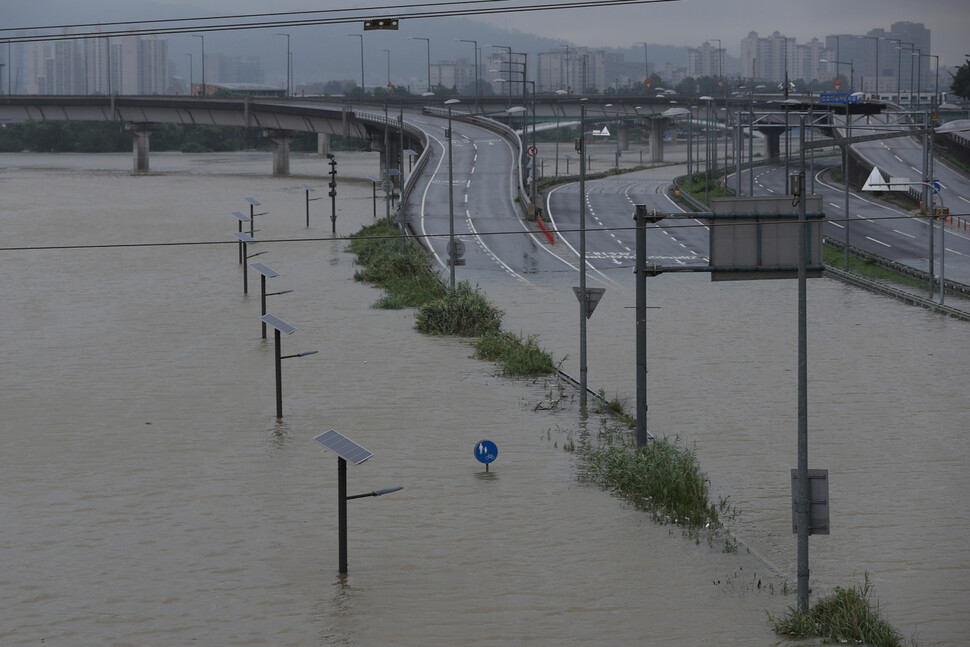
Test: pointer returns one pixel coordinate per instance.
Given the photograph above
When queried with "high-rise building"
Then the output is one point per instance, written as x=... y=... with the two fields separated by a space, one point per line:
x=573 y=70
x=129 y=65
x=458 y=74
x=153 y=74
x=705 y=61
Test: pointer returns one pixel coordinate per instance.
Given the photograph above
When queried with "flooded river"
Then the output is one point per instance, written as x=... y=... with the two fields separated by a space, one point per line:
x=152 y=498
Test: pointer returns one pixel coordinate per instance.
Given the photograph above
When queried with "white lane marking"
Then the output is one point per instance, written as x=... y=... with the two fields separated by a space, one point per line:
x=878 y=241
x=487 y=250
x=831 y=222
x=903 y=233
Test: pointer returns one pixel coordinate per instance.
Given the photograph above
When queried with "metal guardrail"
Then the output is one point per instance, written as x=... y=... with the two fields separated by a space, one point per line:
x=901 y=295
x=895 y=266
x=411 y=129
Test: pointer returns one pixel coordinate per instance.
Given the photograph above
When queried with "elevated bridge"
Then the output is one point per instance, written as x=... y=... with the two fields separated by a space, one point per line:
x=279 y=120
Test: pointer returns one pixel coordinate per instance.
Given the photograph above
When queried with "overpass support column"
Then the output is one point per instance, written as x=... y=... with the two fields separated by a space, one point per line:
x=623 y=138
x=323 y=143
x=140 y=134
x=281 y=149
x=657 y=128
x=773 y=142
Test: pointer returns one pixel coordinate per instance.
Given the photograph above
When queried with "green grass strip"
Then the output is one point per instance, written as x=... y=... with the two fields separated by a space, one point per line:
x=844 y=616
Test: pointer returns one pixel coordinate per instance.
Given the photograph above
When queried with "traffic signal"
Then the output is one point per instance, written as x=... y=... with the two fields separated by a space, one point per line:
x=380 y=23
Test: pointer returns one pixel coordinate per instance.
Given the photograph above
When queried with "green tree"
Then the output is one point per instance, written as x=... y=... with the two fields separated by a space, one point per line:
x=961 y=81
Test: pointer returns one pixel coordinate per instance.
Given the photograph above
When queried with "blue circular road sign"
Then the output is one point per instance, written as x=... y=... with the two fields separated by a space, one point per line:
x=486 y=451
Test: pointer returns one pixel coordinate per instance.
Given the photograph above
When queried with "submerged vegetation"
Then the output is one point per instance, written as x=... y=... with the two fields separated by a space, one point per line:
x=515 y=355
x=844 y=616
x=663 y=478
x=403 y=271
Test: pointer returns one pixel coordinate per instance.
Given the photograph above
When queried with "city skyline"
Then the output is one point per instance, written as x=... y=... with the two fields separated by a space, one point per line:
x=665 y=23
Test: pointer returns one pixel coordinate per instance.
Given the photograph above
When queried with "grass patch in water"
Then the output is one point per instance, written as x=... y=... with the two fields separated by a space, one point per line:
x=662 y=478
x=464 y=312
x=406 y=277
x=403 y=272
x=515 y=355
x=844 y=616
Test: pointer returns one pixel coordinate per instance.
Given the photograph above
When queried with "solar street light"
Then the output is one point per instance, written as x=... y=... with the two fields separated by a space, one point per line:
x=281 y=328
x=244 y=240
x=347 y=451
x=265 y=273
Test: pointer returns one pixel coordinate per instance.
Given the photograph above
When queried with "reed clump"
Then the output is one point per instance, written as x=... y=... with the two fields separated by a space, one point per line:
x=663 y=478
x=515 y=354
x=404 y=273
x=847 y=615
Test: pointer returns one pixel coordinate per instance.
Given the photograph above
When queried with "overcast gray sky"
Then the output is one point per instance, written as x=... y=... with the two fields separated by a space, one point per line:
x=691 y=22
x=683 y=22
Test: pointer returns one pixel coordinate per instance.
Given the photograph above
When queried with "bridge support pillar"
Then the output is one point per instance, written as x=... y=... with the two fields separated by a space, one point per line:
x=772 y=141
x=657 y=128
x=140 y=134
x=323 y=143
x=623 y=138
x=281 y=149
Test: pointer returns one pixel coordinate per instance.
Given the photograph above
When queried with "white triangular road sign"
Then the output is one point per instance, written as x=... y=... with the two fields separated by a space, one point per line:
x=875 y=181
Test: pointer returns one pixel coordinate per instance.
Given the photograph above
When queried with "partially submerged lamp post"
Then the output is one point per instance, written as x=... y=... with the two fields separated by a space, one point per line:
x=347 y=450
x=253 y=203
x=245 y=239
x=241 y=217
x=265 y=273
x=376 y=180
x=308 y=189
x=281 y=327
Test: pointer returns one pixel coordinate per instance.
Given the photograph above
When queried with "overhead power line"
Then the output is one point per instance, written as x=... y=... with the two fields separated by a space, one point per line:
x=259 y=21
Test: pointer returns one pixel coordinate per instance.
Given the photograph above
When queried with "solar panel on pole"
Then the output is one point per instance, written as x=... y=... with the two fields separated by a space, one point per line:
x=343 y=447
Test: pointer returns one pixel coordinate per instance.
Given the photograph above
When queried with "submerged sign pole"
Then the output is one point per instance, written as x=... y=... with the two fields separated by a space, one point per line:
x=803 y=507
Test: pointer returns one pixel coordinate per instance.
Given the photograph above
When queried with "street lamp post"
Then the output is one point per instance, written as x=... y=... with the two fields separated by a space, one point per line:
x=347 y=451
x=281 y=327
x=646 y=68
x=428 y=41
x=875 y=38
x=452 y=255
x=289 y=91
x=899 y=69
x=361 y=37
x=845 y=170
x=919 y=76
x=583 y=304
x=898 y=43
x=389 y=86
x=475 y=43
x=558 y=113
x=202 y=36
x=508 y=88
x=191 y=80
x=936 y=86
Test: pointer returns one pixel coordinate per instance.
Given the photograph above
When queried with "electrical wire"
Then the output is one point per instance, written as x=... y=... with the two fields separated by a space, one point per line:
x=279 y=24
x=345 y=239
